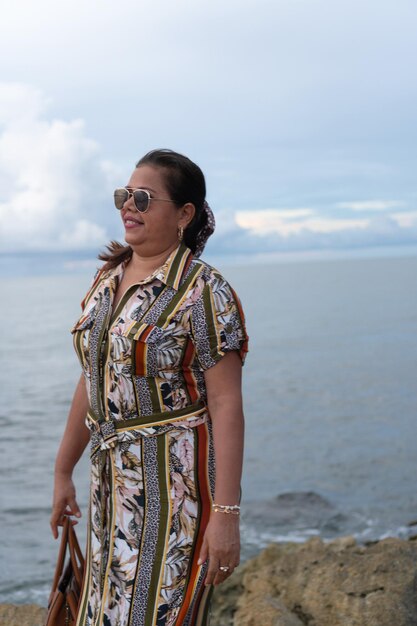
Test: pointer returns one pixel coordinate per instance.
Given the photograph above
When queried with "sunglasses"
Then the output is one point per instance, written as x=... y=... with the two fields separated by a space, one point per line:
x=141 y=198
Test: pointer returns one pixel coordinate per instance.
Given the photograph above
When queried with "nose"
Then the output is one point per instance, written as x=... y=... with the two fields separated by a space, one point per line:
x=130 y=203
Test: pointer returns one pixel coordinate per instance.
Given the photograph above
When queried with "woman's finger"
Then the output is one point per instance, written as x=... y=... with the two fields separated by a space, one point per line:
x=68 y=513
x=73 y=507
x=222 y=575
x=213 y=564
x=54 y=529
x=214 y=574
x=60 y=512
x=226 y=560
x=203 y=553
x=56 y=520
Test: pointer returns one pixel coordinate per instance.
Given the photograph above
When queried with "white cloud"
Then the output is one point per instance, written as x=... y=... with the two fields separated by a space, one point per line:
x=331 y=127
x=292 y=221
x=288 y=223
x=370 y=205
x=56 y=187
x=52 y=177
x=406 y=219
x=84 y=234
x=286 y=230
x=20 y=104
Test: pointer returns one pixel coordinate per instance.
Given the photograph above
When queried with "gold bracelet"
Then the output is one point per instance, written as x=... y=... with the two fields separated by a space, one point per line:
x=233 y=509
x=228 y=506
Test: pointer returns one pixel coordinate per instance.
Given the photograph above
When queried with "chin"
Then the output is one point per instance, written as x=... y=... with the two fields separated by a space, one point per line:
x=132 y=240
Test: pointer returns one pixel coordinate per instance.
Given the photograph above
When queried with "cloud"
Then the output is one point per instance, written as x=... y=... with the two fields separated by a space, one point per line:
x=286 y=222
x=303 y=229
x=290 y=221
x=406 y=219
x=277 y=113
x=56 y=187
x=20 y=104
x=370 y=205
x=52 y=177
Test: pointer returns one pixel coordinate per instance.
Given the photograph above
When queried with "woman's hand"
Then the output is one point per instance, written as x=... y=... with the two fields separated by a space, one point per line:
x=221 y=545
x=64 y=502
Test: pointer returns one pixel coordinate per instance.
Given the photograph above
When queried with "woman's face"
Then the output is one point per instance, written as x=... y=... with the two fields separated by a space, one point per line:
x=155 y=231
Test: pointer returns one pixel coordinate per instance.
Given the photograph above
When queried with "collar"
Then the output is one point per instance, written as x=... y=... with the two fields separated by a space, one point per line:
x=175 y=266
x=171 y=272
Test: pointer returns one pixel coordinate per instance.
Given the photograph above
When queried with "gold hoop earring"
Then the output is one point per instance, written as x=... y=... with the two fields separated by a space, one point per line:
x=180 y=233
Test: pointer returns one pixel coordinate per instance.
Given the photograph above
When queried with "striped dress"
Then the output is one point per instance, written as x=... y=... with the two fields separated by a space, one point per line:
x=153 y=466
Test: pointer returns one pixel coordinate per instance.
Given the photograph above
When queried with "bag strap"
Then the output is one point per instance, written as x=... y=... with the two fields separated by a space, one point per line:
x=61 y=556
x=76 y=555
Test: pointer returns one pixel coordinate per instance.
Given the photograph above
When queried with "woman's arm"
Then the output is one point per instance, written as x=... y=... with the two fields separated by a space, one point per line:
x=74 y=441
x=221 y=542
x=224 y=398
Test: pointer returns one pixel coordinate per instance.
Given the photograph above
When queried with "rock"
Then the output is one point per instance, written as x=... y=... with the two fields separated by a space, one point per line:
x=338 y=583
x=304 y=509
x=298 y=512
x=24 y=615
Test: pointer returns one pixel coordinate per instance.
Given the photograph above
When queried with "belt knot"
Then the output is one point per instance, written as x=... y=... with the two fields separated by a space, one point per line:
x=105 y=433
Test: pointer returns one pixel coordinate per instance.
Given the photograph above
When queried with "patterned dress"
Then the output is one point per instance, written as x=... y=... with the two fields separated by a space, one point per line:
x=153 y=466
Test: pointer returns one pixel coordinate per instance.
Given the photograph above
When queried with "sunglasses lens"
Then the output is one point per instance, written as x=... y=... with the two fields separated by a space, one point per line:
x=120 y=197
x=141 y=199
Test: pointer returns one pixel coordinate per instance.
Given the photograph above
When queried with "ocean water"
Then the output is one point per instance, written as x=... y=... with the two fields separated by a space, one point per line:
x=330 y=405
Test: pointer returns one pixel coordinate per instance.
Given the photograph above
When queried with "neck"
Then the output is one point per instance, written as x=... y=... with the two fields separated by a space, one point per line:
x=144 y=264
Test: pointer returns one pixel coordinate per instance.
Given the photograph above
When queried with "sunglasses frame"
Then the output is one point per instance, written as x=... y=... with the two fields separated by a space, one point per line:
x=131 y=193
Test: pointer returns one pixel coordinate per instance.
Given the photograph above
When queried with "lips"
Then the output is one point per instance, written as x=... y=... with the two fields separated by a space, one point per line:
x=131 y=222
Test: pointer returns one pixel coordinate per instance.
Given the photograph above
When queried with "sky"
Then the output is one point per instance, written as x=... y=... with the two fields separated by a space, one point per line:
x=301 y=113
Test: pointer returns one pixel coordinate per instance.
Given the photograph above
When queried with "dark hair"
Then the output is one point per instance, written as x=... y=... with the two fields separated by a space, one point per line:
x=185 y=182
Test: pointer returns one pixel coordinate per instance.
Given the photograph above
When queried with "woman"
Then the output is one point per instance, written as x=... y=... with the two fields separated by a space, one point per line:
x=161 y=341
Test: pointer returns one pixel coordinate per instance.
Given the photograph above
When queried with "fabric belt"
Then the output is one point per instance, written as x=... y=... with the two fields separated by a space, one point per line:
x=105 y=433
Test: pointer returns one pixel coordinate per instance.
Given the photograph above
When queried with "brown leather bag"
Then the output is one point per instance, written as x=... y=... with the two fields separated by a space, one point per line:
x=66 y=587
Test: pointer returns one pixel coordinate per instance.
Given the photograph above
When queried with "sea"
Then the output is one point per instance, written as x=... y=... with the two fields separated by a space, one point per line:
x=330 y=401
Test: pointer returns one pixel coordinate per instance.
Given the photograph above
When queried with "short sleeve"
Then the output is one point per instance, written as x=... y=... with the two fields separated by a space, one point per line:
x=218 y=323
x=91 y=289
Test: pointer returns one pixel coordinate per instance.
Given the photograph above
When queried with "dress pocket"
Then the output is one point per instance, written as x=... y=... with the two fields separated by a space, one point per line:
x=81 y=334
x=87 y=318
x=85 y=322
x=157 y=350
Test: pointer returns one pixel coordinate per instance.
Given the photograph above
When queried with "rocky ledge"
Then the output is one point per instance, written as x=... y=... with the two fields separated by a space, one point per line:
x=22 y=615
x=339 y=583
